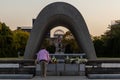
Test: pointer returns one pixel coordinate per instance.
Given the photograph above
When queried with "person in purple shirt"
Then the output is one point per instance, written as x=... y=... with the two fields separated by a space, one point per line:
x=43 y=58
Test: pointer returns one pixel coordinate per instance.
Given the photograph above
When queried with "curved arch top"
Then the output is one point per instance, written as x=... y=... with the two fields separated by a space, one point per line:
x=59 y=30
x=59 y=14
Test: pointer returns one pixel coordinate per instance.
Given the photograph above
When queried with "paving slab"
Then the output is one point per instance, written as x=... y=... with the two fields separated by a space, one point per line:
x=16 y=76
x=60 y=78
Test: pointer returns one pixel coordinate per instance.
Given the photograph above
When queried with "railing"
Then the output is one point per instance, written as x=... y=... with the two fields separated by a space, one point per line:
x=81 y=55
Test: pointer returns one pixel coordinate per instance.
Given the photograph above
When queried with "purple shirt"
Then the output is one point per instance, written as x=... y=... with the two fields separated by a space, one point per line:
x=43 y=54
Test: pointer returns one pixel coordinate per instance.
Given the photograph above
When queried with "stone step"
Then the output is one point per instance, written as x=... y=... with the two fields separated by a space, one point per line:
x=104 y=76
x=16 y=76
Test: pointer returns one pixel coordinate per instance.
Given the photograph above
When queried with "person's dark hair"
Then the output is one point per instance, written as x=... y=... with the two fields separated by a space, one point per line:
x=43 y=47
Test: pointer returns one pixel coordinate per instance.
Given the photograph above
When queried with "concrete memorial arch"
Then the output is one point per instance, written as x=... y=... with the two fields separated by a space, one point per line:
x=59 y=14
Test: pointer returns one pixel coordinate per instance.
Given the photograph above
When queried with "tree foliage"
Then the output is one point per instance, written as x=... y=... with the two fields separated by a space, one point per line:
x=20 y=40
x=108 y=45
x=11 y=41
x=70 y=43
x=6 y=41
x=99 y=46
x=112 y=40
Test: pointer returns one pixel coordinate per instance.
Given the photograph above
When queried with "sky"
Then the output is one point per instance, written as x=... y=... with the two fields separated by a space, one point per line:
x=98 y=14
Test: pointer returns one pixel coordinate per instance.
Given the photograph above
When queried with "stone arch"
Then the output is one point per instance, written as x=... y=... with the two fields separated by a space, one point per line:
x=59 y=14
x=59 y=30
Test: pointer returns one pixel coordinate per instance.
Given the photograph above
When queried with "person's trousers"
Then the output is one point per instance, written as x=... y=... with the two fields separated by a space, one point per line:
x=43 y=68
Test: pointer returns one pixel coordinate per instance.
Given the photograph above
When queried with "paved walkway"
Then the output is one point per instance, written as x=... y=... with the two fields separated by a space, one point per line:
x=60 y=78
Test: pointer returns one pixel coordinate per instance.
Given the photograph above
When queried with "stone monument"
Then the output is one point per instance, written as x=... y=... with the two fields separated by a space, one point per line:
x=59 y=14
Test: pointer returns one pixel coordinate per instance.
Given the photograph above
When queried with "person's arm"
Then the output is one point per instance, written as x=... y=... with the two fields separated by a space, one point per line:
x=48 y=57
x=36 y=61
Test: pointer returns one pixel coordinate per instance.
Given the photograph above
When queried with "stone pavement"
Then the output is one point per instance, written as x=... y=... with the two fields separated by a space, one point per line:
x=60 y=78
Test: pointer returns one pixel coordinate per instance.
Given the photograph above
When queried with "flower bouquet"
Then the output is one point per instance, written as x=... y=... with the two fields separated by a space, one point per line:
x=54 y=60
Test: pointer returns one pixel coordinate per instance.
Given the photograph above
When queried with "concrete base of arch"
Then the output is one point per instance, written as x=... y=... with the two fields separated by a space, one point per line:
x=59 y=14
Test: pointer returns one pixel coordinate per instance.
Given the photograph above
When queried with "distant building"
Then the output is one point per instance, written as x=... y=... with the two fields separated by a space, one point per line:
x=28 y=29
x=25 y=28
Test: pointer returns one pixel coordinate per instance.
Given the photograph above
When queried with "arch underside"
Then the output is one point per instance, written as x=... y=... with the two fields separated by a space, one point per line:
x=59 y=14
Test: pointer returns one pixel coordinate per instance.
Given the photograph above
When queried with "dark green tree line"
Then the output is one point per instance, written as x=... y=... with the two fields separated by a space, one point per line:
x=108 y=45
x=20 y=41
x=112 y=40
x=11 y=41
x=70 y=43
x=6 y=40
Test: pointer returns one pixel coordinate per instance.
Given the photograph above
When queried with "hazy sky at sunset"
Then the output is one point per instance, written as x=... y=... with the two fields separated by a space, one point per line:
x=98 y=14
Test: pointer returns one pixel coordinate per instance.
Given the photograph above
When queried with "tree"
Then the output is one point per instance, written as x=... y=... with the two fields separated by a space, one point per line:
x=6 y=41
x=70 y=42
x=108 y=45
x=20 y=41
x=12 y=41
x=112 y=40
x=99 y=46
